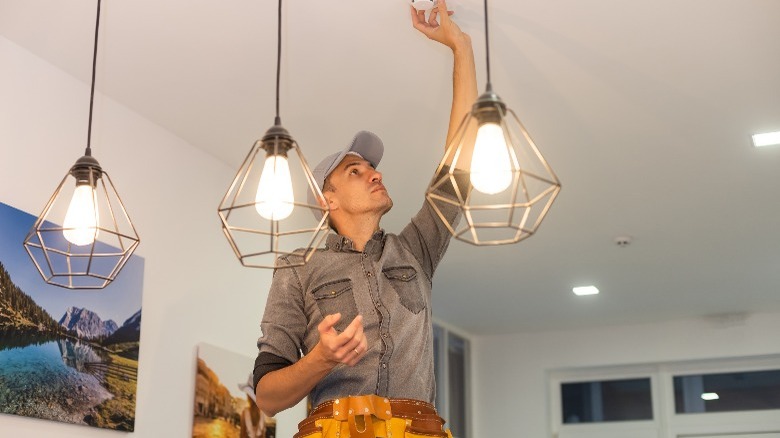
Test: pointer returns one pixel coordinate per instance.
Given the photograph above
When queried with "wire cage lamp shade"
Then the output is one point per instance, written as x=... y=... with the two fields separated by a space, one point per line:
x=84 y=236
x=266 y=213
x=510 y=187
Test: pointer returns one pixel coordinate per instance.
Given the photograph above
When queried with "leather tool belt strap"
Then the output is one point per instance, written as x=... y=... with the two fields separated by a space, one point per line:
x=361 y=413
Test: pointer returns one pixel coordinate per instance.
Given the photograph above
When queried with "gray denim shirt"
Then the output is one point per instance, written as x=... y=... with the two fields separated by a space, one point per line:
x=389 y=284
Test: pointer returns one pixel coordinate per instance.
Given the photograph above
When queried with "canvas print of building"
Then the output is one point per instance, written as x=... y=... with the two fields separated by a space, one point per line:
x=66 y=355
x=224 y=398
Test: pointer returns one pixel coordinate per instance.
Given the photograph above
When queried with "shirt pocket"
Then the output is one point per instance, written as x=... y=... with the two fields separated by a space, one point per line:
x=403 y=279
x=337 y=297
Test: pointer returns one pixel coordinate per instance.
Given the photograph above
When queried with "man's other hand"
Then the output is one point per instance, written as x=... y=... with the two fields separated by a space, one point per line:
x=346 y=347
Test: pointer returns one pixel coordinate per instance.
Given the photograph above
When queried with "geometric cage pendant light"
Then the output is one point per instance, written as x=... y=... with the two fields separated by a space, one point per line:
x=265 y=212
x=509 y=186
x=84 y=236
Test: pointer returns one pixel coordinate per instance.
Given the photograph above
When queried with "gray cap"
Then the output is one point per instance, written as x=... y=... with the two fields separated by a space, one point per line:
x=366 y=144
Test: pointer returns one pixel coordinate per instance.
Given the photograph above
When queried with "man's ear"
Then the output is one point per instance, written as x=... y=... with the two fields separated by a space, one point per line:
x=328 y=201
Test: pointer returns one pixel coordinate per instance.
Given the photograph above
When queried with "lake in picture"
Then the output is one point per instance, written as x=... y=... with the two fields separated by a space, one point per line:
x=54 y=379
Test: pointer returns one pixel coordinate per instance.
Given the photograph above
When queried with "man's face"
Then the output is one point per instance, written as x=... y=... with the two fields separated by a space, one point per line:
x=357 y=188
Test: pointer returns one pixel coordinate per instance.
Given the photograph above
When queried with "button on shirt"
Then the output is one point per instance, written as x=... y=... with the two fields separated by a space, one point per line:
x=388 y=283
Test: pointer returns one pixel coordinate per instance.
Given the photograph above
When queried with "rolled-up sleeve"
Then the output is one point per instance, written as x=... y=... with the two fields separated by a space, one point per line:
x=283 y=325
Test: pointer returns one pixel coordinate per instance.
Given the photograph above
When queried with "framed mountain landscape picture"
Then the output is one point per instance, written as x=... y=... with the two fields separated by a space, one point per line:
x=66 y=355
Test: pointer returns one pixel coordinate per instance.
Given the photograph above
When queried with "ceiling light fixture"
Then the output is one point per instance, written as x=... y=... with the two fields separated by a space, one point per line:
x=710 y=396
x=585 y=290
x=265 y=212
x=96 y=237
x=513 y=186
x=766 y=139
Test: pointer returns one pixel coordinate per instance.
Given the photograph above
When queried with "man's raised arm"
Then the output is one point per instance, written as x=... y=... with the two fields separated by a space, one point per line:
x=440 y=27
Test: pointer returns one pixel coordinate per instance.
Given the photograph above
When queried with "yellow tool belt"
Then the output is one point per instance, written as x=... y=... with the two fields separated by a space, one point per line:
x=371 y=416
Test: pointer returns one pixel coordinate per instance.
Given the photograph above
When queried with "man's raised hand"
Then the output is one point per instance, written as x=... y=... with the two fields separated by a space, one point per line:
x=445 y=32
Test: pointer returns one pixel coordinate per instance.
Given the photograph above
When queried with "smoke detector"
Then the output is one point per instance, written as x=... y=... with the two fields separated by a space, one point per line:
x=423 y=5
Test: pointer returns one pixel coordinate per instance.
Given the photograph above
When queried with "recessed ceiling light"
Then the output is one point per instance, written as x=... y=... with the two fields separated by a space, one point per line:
x=585 y=290
x=766 y=139
x=710 y=396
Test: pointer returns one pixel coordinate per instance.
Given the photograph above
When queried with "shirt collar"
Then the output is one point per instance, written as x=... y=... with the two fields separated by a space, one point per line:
x=339 y=243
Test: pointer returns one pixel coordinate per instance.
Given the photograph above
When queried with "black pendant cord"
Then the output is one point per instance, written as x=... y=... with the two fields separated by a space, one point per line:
x=487 y=48
x=278 y=120
x=88 y=152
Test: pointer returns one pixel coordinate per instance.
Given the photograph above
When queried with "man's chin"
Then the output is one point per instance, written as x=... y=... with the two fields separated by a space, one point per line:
x=388 y=206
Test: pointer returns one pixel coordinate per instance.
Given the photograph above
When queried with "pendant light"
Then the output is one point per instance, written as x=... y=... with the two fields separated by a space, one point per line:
x=265 y=212
x=96 y=236
x=502 y=183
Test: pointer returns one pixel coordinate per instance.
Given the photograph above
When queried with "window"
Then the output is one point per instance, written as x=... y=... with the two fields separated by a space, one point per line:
x=438 y=370
x=727 y=392
x=608 y=400
x=451 y=367
x=456 y=361
x=729 y=397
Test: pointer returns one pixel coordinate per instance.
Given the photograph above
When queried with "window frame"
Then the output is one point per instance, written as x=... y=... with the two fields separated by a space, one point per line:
x=442 y=379
x=666 y=423
x=637 y=428
x=763 y=421
x=602 y=384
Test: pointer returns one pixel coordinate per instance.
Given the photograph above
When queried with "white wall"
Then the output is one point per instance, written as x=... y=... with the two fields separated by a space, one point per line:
x=510 y=380
x=194 y=288
x=195 y=291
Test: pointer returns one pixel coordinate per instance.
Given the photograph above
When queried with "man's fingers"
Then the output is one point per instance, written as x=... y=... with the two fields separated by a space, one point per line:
x=445 y=18
x=432 y=17
x=339 y=339
x=418 y=17
x=418 y=21
x=348 y=346
x=328 y=322
x=357 y=353
x=352 y=328
x=352 y=336
x=362 y=345
x=358 y=336
x=352 y=347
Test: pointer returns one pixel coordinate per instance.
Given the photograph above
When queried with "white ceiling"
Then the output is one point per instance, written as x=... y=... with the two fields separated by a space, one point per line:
x=644 y=110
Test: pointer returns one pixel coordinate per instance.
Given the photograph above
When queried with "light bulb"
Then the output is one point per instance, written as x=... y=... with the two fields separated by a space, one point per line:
x=274 y=199
x=82 y=217
x=491 y=171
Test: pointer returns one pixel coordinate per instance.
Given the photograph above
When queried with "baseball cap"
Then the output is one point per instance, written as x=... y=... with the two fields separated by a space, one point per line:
x=365 y=144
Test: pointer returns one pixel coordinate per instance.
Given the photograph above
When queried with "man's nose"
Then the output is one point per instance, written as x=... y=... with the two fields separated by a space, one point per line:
x=376 y=177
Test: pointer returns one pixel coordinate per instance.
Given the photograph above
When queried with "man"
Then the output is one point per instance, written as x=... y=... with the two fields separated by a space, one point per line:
x=356 y=320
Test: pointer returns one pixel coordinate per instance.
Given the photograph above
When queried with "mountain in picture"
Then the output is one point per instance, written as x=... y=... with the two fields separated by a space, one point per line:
x=87 y=324
x=129 y=332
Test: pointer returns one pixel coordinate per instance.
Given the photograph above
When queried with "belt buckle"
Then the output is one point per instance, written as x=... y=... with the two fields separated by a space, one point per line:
x=362 y=407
